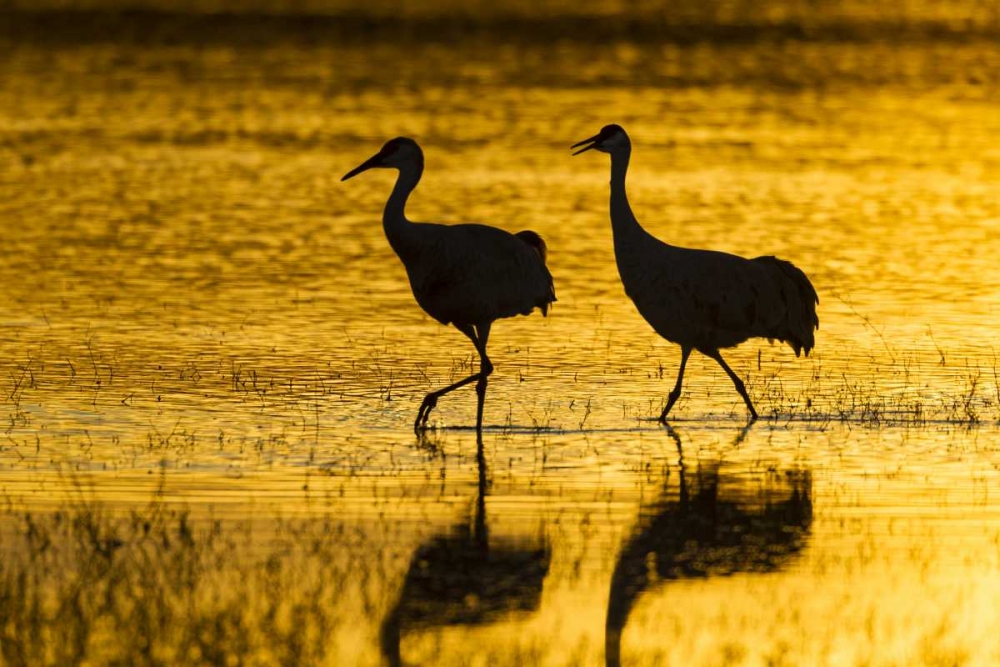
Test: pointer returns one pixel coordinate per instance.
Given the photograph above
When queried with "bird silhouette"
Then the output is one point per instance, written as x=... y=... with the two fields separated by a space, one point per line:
x=702 y=299
x=467 y=275
x=465 y=577
x=714 y=525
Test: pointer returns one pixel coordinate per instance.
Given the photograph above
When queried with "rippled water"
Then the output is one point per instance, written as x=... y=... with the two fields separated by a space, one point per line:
x=197 y=315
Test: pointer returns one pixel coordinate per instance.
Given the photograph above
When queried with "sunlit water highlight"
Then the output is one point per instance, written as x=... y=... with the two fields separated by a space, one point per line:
x=198 y=317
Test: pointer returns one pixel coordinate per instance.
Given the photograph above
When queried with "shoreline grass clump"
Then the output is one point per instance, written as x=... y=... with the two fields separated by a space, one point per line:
x=906 y=391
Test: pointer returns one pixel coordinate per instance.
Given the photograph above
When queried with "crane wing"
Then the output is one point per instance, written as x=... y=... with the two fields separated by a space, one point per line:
x=476 y=273
x=708 y=299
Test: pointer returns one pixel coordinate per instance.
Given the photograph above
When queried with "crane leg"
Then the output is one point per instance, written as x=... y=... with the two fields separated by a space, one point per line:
x=740 y=387
x=676 y=392
x=485 y=369
x=431 y=399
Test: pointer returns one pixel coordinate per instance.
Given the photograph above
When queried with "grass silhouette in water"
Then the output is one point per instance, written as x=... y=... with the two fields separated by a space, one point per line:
x=155 y=586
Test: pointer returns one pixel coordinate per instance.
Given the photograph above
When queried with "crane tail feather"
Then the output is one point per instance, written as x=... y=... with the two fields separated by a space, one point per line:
x=537 y=243
x=800 y=299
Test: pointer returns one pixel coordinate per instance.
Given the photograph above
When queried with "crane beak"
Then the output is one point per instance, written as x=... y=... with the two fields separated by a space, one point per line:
x=592 y=141
x=373 y=161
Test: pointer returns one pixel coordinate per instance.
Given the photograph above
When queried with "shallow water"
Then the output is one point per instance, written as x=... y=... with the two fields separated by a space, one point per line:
x=198 y=315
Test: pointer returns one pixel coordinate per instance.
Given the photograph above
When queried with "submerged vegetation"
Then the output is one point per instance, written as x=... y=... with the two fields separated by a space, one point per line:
x=153 y=586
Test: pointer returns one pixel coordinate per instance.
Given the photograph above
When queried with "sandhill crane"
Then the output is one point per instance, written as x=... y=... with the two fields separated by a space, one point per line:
x=702 y=299
x=467 y=275
x=723 y=526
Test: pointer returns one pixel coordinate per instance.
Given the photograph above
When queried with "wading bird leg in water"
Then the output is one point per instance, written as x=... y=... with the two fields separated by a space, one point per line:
x=485 y=369
x=740 y=387
x=677 y=440
x=481 y=531
x=742 y=435
x=676 y=392
x=479 y=336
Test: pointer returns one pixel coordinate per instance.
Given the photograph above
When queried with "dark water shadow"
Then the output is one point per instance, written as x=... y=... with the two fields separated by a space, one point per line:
x=132 y=23
x=465 y=577
x=713 y=525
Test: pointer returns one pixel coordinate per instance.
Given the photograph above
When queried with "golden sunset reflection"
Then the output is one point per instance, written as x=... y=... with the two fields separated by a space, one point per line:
x=211 y=358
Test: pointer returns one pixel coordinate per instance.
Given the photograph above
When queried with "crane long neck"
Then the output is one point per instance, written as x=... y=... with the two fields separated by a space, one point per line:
x=394 y=220
x=623 y=222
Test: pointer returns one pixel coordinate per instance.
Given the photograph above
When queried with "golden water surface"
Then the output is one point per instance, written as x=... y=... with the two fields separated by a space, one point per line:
x=210 y=359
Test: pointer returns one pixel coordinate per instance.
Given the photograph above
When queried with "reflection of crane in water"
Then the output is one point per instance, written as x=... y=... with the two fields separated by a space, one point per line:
x=465 y=578
x=466 y=275
x=700 y=534
x=701 y=299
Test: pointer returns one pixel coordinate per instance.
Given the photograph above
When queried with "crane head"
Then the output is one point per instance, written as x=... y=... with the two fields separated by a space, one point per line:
x=607 y=140
x=397 y=153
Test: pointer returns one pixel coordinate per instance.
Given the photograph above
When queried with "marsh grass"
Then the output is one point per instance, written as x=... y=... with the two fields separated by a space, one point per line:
x=898 y=393
x=916 y=386
x=153 y=586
